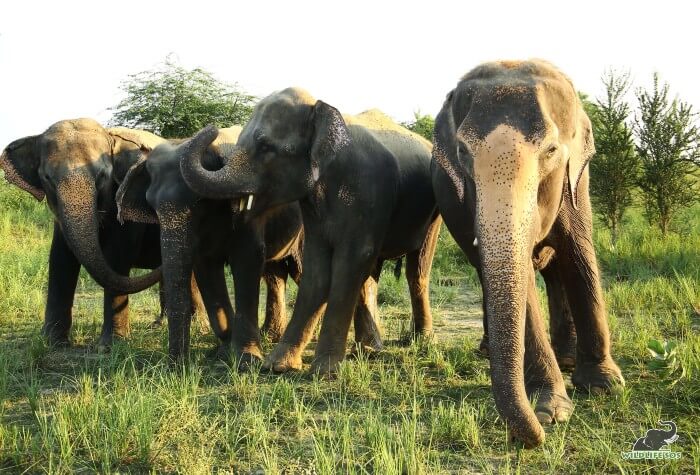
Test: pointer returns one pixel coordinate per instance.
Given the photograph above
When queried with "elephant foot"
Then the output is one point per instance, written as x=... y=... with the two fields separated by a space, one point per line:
x=484 y=347
x=553 y=406
x=598 y=378
x=245 y=359
x=326 y=364
x=157 y=323
x=58 y=341
x=274 y=335
x=283 y=358
x=566 y=362
x=365 y=350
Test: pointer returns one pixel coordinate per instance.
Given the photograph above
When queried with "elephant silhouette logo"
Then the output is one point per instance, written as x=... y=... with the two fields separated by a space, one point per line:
x=654 y=444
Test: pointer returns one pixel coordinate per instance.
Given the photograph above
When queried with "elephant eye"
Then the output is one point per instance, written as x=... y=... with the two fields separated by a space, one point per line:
x=551 y=150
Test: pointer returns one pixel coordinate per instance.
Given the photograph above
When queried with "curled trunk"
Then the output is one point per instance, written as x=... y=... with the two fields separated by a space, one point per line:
x=211 y=184
x=77 y=210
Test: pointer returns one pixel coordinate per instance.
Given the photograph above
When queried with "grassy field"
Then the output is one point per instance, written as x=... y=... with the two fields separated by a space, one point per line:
x=426 y=408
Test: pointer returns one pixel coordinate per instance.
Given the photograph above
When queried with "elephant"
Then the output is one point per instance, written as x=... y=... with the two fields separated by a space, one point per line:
x=363 y=184
x=76 y=165
x=511 y=148
x=201 y=235
x=657 y=438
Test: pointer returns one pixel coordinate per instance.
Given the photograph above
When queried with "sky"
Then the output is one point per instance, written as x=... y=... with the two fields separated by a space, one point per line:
x=66 y=59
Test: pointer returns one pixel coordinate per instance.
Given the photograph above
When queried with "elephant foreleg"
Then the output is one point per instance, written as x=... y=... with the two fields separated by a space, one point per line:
x=64 y=269
x=349 y=271
x=210 y=275
x=595 y=369
x=310 y=305
x=248 y=259
x=543 y=379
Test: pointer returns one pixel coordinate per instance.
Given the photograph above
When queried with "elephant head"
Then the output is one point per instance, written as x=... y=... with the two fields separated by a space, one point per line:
x=157 y=182
x=280 y=154
x=514 y=136
x=75 y=164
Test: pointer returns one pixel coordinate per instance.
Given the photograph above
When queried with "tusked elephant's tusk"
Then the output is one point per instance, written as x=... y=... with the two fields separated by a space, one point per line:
x=476 y=242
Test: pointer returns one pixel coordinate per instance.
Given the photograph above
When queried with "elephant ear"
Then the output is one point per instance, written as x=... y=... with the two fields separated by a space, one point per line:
x=128 y=147
x=580 y=154
x=131 y=196
x=20 y=160
x=330 y=135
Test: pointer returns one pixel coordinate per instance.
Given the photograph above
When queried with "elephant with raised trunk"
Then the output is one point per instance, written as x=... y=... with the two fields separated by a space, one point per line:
x=203 y=235
x=363 y=183
x=655 y=439
x=512 y=142
x=76 y=165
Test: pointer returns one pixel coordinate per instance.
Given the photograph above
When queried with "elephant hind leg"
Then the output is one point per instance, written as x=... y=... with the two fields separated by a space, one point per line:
x=367 y=335
x=561 y=321
x=418 y=266
x=275 y=277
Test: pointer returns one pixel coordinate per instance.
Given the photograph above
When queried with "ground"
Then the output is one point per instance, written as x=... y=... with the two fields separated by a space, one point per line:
x=426 y=408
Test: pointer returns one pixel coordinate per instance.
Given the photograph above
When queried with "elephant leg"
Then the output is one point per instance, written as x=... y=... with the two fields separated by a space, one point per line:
x=160 y=318
x=310 y=305
x=115 y=306
x=64 y=269
x=367 y=335
x=198 y=308
x=210 y=275
x=248 y=260
x=275 y=277
x=176 y=250
x=418 y=266
x=595 y=371
x=349 y=271
x=561 y=322
x=543 y=379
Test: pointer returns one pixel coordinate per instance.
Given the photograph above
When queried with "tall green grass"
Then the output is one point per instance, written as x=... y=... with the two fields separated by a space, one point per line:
x=424 y=408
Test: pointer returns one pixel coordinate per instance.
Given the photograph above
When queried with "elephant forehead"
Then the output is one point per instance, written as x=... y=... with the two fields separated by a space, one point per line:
x=75 y=150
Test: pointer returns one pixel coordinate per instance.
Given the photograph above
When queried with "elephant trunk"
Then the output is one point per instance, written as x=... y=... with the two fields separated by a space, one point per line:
x=77 y=211
x=506 y=214
x=672 y=432
x=505 y=264
x=211 y=184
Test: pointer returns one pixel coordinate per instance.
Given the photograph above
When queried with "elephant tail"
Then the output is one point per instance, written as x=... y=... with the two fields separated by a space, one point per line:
x=397 y=268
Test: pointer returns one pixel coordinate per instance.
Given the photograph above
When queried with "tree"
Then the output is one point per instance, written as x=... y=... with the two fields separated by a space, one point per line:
x=172 y=101
x=668 y=143
x=615 y=168
x=422 y=125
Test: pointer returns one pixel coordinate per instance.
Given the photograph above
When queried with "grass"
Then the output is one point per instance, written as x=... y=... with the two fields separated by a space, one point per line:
x=426 y=408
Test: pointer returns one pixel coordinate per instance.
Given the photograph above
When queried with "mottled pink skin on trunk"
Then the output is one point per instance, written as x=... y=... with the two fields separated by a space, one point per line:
x=506 y=178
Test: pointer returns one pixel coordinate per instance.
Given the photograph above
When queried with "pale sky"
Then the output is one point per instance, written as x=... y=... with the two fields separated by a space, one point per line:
x=65 y=59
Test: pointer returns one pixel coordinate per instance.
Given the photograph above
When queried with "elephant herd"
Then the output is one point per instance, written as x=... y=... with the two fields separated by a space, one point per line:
x=306 y=192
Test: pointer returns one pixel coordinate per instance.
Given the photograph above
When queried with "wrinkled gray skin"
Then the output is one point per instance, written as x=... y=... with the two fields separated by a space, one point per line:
x=76 y=165
x=202 y=235
x=363 y=183
x=509 y=172
x=654 y=439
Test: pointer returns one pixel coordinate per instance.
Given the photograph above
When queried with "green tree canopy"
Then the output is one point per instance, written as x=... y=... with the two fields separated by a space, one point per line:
x=172 y=101
x=668 y=143
x=615 y=168
x=422 y=125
